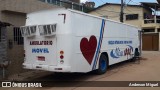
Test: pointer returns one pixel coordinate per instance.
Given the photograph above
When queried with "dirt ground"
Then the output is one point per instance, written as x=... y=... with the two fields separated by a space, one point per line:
x=147 y=69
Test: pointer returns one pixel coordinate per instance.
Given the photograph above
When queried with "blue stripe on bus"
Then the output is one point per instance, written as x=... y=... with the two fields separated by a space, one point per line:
x=99 y=44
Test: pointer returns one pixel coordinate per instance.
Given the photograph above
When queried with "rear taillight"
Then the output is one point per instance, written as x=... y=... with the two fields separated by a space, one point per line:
x=61 y=52
x=61 y=57
x=41 y=58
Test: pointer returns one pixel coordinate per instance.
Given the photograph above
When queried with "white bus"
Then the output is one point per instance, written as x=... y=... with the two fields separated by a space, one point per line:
x=65 y=40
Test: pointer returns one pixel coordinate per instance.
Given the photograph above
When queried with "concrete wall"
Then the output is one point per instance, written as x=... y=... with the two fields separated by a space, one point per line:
x=135 y=10
x=3 y=49
x=16 y=52
x=25 y=6
x=3 y=45
x=14 y=12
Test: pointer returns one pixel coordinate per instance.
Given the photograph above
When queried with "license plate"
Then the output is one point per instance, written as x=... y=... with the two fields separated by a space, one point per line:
x=41 y=58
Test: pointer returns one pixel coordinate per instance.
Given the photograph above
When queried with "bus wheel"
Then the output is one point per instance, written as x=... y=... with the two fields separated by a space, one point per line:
x=136 y=54
x=103 y=64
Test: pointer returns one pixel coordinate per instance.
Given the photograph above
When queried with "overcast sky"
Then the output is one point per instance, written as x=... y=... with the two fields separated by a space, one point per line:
x=100 y=2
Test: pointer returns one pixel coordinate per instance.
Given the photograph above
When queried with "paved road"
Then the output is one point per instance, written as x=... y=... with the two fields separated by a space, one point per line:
x=148 y=69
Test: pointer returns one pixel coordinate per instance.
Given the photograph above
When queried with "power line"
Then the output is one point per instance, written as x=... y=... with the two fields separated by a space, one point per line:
x=128 y=2
x=135 y=2
x=128 y=9
x=102 y=1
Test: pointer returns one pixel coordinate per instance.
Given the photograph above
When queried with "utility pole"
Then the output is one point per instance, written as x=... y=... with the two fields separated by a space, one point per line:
x=121 y=13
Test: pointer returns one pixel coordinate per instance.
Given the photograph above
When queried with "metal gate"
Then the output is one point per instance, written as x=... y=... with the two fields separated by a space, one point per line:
x=150 y=42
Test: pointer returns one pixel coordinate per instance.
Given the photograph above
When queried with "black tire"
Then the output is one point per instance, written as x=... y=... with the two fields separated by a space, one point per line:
x=136 y=54
x=103 y=65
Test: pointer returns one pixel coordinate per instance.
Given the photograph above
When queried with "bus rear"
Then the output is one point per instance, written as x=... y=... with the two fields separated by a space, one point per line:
x=39 y=46
x=42 y=32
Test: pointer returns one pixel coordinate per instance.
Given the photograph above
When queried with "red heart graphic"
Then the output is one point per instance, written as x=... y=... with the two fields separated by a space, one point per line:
x=88 y=48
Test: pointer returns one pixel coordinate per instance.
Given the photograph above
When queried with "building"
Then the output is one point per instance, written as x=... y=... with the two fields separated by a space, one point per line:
x=54 y=1
x=14 y=12
x=89 y=4
x=72 y=4
x=143 y=16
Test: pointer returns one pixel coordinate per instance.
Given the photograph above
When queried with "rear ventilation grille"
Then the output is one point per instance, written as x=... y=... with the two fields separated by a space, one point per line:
x=44 y=30
x=28 y=30
x=47 y=30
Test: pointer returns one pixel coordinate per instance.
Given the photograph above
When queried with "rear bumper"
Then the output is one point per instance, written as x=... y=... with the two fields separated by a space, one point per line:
x=47 y=67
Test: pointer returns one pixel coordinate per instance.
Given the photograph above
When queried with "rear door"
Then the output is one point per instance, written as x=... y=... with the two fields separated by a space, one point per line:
x=42 y=53
x=40 y=48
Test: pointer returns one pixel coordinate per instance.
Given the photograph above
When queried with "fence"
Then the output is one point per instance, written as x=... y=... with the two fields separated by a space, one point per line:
x=18 y=39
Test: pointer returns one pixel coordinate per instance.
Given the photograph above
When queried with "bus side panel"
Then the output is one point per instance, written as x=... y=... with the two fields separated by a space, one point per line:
x=119 y=41
x=86 y=32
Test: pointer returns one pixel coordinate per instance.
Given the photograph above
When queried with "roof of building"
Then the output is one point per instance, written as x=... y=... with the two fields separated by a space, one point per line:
x=117 y=4
x=113 y=4
x=155 y=6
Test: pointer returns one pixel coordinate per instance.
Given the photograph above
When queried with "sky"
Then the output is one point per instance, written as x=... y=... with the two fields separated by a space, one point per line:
x=100 y=2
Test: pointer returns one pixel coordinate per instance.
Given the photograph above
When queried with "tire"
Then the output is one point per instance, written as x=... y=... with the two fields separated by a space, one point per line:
x=103 y=65
x=136 y=52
